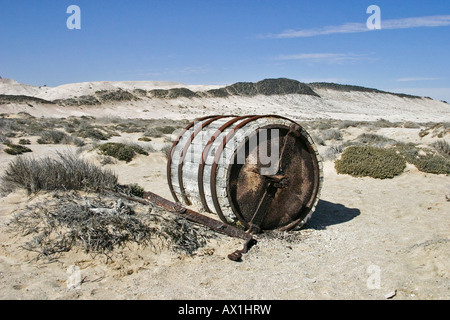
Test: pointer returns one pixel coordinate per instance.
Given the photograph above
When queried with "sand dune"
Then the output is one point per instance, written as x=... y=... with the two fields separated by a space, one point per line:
x=331 y=103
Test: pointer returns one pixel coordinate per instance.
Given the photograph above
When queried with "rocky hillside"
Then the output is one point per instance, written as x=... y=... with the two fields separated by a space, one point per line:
x=167 y=99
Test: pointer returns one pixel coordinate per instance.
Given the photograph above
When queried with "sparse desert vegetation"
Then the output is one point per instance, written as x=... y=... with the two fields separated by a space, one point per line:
x=101 y=225
x=66 y=172
x=72 y=213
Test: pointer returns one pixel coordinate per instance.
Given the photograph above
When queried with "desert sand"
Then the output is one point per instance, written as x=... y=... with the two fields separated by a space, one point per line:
x=368 y=239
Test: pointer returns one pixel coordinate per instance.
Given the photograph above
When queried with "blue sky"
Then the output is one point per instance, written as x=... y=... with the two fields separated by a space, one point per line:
x=222 y=42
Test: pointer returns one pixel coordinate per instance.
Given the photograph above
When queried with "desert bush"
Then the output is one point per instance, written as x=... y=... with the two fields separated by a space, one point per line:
x=331 y=134
x=4 y=139
x=24 y=141
x=318 y=139
x=153 y=132
x=411 y=125
x=424 y=132
x=51 y=137
x=361 y=161
x=166 y=129
x=432 y=163
x=121 y=151
x=132 y=189
x=65 y=172
x=331 y=153
x=383 y=123
x=166 y=150
x=374 y=140
x=424 y=159
x=345 y=124
x=74 y=140
x=15 y=149
x=442 y=146
x=104 y=160
x=59 y=227
x=92 y=133
x=58 y=137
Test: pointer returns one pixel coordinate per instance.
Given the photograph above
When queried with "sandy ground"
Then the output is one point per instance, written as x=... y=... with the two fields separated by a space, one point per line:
x=368 y=239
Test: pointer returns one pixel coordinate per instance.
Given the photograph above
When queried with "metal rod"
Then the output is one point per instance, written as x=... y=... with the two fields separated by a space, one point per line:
x=149 y=198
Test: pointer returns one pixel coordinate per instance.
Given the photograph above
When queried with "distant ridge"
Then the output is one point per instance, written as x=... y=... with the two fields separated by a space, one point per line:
x=350 y=88
x=267 y=87
x=6 y=99
x=157 y=99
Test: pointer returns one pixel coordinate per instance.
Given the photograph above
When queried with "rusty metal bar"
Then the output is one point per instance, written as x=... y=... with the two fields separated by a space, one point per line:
x=150 y=198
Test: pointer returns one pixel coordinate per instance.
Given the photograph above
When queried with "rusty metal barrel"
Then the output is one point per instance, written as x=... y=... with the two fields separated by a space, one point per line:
x=263 y=171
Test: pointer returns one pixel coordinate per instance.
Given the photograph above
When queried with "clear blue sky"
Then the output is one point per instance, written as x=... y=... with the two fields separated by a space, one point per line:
x=222 y=42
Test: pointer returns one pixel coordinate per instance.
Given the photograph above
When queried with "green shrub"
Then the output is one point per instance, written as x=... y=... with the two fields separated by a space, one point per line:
x=423 y=133
x=93 y=133
x=24 y=141
x=121 y=151
x=166 y=129
x=15 y=149
x=362 y=161
x=431 y=163
x=132 y=189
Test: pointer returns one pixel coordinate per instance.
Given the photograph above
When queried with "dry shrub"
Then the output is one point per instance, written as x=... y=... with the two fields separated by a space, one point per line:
x=100 y=225
x=65 y=172
x=331 y=134
x=374 y=139
x=443 y=147
x=166 y=150
x=59 y=137
x=51 y=137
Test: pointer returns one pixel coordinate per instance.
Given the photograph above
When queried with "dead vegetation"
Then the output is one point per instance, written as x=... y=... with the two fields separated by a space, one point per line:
x=66 y=172
x=98 y=224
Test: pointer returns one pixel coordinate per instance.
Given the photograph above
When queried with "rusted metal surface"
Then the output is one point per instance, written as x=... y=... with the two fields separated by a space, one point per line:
x=280 y=200
x=277 y=201
x=216 y=162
